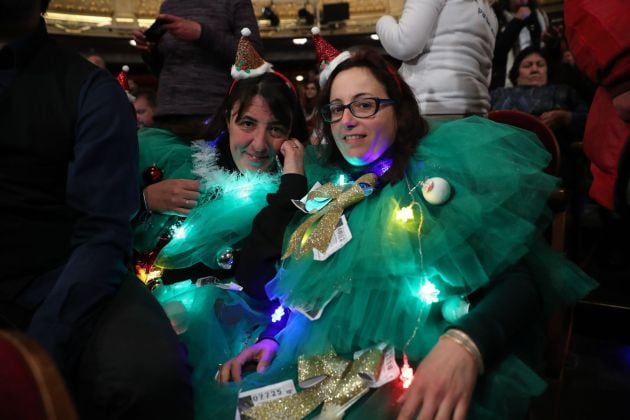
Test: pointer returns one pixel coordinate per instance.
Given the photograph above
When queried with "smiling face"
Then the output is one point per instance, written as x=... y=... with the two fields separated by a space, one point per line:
x=255 y=136
x=361 y=141
x=532 y=71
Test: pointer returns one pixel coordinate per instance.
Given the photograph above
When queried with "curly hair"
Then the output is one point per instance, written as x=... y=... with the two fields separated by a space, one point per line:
x=411 y=126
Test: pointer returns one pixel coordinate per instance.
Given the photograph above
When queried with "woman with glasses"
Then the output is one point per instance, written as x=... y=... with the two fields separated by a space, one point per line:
x=417 y=250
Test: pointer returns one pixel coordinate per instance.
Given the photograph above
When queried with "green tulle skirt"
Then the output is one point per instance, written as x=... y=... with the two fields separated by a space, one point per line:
x=368 y=291
x=227 y=204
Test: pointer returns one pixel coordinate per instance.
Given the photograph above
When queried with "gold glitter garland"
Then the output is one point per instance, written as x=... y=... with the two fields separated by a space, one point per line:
x=328 y=217
x=328 y=379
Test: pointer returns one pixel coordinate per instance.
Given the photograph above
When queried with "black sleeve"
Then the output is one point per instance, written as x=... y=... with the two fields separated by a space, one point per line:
x=263 y=246
x=505 y=40
x=501 y=311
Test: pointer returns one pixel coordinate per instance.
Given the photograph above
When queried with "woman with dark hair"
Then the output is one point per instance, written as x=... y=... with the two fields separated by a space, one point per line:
x=558 y=106
x=248 y=171
x=521 y=24
x=243 y=150
x=420 y=248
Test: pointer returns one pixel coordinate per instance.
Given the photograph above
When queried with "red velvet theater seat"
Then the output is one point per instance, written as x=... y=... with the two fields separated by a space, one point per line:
x=31 y=388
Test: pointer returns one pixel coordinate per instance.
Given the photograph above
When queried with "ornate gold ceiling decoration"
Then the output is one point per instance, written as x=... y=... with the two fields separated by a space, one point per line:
x=119 y=17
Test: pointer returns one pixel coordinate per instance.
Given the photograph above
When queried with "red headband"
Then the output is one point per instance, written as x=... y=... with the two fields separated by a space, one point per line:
x=280 y=75
x=394 y=74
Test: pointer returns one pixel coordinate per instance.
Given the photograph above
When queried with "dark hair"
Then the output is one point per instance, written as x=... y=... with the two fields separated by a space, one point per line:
x=44 y=6
x=279 y=96
x=149 y=94
x=411 y=126
x=513 y=74
x=308 y=104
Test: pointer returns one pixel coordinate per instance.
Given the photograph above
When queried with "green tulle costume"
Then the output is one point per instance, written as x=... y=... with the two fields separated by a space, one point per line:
x=222 y=217
x=368 y=291
x=214 y=323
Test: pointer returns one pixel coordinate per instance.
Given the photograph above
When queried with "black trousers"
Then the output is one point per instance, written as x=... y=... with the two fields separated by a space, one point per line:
x=133 y=365
x=129 y=363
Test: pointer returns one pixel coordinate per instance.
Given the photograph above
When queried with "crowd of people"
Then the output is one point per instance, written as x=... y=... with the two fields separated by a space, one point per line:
x=367 y=244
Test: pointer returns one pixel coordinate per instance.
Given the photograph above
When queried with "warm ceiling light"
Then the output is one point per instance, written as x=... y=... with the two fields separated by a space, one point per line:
x=299 y=77
x=132 y=42
x=67 y=17
x=374 y=37
x=299 y=41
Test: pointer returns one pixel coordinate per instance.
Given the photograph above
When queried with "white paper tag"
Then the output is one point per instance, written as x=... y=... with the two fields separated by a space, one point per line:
x=301 y=204
x=214 y=281
x=314 y=315
x=389 y=370
x=254 y=397
x=341 y=236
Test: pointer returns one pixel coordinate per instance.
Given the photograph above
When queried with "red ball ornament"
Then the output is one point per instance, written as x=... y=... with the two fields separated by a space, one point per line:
x=152 y=175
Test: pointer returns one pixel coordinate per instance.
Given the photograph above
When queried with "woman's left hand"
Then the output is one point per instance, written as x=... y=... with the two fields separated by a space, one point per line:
x=293 y=152
x=556 y=119
x=262 y=352
x=442 y=385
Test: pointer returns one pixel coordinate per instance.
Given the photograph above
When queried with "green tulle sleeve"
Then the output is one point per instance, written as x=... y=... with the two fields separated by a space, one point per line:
x=172 y=155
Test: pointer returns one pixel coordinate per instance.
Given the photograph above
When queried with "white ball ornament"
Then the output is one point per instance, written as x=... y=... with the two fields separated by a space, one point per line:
x=436 y=190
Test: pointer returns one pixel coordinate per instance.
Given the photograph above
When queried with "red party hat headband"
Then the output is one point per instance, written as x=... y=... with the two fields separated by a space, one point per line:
x=248 y=63
x=328 y=56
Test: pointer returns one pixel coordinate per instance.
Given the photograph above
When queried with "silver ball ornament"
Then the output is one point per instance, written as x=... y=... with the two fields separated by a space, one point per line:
x=454 y=308
x=225 y=258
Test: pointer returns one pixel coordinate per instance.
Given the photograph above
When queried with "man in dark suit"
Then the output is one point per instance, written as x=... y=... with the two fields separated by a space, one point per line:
x=68 y=189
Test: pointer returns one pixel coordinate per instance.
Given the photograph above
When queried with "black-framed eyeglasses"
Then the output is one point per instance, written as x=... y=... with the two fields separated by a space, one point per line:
x=360 y=108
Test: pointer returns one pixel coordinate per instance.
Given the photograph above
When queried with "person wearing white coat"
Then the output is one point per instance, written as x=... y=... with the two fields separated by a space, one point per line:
x=446 y=47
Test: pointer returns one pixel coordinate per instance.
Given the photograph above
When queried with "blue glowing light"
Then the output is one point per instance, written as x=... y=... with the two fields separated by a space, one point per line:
x=382 y=166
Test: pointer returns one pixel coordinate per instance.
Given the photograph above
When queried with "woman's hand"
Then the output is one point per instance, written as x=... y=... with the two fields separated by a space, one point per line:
x=293 y=152
x=442 y=385
x=263 y=352
x=180 y=28
x=556 y=119
x=141 y=40
x=172 y=196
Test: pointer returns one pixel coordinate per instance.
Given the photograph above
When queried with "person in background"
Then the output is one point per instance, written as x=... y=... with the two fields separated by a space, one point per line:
x=310 y=91
x=192 y=58
x=144 y=105
x=67 y=195
x=521 y=24
x=597 y=33
x=446 y=49
x=559 y=107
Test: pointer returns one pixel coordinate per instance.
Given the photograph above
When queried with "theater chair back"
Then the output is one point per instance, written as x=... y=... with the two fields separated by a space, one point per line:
x=31 y=387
